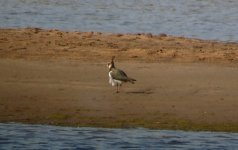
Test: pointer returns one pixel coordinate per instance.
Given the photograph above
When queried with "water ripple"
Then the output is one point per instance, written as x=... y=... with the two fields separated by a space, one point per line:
x=23 y=136
x=216 y=20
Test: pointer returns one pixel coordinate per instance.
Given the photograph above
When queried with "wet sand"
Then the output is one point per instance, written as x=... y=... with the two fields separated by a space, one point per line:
x=60 y=78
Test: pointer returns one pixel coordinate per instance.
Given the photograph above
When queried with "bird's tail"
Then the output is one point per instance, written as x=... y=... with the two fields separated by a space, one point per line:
x=131 y=80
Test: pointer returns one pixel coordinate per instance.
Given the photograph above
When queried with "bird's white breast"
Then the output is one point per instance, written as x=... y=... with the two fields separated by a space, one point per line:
x=112 y=81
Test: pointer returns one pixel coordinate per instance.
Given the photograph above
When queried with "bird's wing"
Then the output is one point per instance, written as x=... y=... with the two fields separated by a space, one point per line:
x=118 y=74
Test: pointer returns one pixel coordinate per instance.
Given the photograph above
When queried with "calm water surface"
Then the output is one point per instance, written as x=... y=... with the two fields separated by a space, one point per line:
x=207 y=19
x=22 y=136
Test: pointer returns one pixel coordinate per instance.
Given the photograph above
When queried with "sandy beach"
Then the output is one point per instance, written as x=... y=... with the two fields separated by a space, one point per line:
x=61 y=78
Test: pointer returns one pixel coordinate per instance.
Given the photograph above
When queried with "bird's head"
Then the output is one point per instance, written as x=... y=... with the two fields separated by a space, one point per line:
x=111 y=65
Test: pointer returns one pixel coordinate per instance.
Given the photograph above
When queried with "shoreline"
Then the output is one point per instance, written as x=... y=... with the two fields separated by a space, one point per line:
x=60 y=78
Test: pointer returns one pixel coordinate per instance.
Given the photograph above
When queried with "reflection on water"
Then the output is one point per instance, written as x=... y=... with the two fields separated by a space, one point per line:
x=208 y=19
x=22 y=136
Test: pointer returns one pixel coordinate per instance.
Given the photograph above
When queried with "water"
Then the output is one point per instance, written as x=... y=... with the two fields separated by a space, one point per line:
x=206 y=19
x=23 y=136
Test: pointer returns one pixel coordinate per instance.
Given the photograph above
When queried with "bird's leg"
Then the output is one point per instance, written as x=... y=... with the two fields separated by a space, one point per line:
x=117 y=88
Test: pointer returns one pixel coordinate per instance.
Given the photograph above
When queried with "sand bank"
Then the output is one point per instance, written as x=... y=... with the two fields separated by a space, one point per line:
x=60 y=78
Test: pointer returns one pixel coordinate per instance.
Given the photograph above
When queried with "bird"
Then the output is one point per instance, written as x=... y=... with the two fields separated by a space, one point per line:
x=116 y=76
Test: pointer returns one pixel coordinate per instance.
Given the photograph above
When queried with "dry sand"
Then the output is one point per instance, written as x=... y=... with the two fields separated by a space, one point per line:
x=60 y=78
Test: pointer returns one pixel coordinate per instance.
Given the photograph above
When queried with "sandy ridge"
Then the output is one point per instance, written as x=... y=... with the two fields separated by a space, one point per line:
x=35 y=43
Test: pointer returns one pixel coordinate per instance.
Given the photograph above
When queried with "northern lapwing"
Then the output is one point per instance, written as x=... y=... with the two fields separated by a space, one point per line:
x=117 y=76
